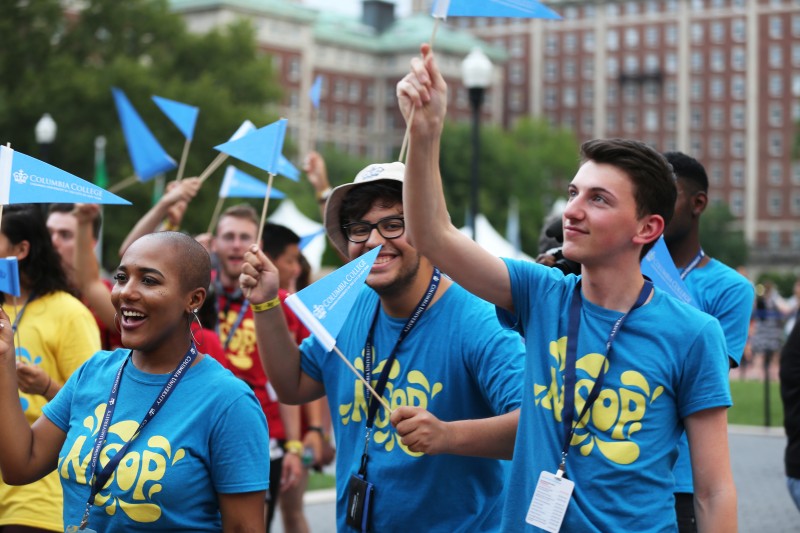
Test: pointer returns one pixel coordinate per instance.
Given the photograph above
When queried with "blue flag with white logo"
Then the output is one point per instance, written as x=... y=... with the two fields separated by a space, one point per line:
x=184 y=116
x=261 y=148
x=324 y=305
x=9 y=276
x=287 y=169
x=316 y=91
x=659 y=267
x=25 y=179
x=492 y=8
x=147 y=155
x=239 y=184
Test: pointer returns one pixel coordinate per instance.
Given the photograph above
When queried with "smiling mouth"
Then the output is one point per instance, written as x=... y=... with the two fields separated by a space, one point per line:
x=132 y=318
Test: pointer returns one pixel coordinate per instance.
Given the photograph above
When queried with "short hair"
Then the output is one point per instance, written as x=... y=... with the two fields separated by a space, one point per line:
x=688 y=169
x=41 y=269
x=276 y=238
x=193 y=260
x=97 y=223
x=359 y=200
x=654 y=189
x=243 y=211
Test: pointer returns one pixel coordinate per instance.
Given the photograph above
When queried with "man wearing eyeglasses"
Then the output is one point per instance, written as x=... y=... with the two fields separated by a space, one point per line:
x=450 y=372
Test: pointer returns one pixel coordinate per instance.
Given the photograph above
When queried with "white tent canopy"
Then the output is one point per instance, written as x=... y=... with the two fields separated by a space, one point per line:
x=288 y=215
x=493 y=242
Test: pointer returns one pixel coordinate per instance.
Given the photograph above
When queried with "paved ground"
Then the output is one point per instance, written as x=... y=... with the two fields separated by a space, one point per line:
x=757 y=457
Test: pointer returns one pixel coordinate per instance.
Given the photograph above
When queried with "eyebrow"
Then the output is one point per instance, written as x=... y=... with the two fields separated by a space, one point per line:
x=143 y=270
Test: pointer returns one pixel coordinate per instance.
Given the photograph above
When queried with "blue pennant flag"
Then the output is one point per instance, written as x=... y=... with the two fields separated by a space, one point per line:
x=287 y=169
x=147 y=155
x=9 y=276
x=316 y=91
x=184 y=116
x=25 y=179
x=324 y=305
x=659 y=267
x=306 y=239
x=260 y=148
x=239 y=184
x=492 y=8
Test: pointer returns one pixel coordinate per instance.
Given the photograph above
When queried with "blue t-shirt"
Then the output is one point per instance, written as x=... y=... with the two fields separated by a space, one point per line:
x=728 y=296
x=209 y=437
x=664 y=366
x=458 y=363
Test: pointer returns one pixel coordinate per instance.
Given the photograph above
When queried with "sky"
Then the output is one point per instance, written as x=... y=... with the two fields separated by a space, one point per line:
x=353 y=7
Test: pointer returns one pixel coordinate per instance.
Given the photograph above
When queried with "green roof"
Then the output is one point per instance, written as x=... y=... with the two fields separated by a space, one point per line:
x=404 y=35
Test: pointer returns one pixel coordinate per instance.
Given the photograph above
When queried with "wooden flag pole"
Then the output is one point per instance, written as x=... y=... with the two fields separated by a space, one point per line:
x=264 y=209
x=130 y=180
x=221 y=157
x=411 y=115
x=215 y=216
x=184 y=156
x=364 y=381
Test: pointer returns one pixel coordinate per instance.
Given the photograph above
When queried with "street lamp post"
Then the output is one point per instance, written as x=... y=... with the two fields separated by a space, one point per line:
x=45 y=132
x=476 y=73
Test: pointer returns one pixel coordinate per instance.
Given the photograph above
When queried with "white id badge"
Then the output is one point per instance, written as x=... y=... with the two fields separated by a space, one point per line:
x=550 y=501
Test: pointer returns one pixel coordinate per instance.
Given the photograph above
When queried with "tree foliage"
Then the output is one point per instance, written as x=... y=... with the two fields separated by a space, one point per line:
x=532 y=162
x=720 y=240
x=65 y=63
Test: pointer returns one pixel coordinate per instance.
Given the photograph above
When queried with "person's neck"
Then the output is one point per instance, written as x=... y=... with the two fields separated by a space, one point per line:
x=684 y=250
x=612 y=287
x=404 y=302
x=163 y=359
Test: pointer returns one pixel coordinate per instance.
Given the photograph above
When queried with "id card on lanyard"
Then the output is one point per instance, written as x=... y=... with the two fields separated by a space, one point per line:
x=99 y=479
x=553 y=491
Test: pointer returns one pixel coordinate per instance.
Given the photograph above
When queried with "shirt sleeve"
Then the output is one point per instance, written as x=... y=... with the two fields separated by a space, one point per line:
x=704 y=382
x=239 y=450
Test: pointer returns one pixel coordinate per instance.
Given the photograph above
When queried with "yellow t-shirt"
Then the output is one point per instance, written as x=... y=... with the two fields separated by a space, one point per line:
x=57 y=333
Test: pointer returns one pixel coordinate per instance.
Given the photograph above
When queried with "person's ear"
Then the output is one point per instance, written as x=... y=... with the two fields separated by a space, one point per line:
x=21 y=250
x=196 y=299
x=650 y=228
x=699 y=203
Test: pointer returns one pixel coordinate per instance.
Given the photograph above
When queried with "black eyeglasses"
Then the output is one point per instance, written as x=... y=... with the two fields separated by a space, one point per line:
x=388 y=227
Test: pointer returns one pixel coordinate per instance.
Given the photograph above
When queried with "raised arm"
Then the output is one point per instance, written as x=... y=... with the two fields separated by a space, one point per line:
x=27 y=453
x=276 y=346
x=167 y=207
x=427 y=220
x=87 y=269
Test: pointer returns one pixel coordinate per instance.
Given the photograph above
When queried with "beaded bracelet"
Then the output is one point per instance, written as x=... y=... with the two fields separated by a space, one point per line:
x=265 y=306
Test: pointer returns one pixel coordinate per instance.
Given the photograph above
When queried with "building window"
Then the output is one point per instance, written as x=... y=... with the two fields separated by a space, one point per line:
x=612 y=39
x=516 y=73
x=570 y=42
x=696 y=146
x=550 y=97
x=612 y=67
x=517 y=46
x=717 y=88
x=587 y=124
x=568 y=121
x=796 y=55
x=737 y=116
x=796 y=173
x=611 y=123
x=738 y=30
x=672 y=6
x=717 y=117
x=651 y=36
x=716 y=147
x=631 y=64
x=588 y=95
x=569 y=71
x=717 y=60
x=775 y=144
x=717 y=31
x=355 y=91
x=774 y=239
x=737 y=174
x=631 y=8
x=775 y=56
x=612 y=10
x=775 y=114
x=698 y=5
x=775 y=204
x=294 y=69
x=696 y=118
x=795 y=25
x=612 y=94
x=339 y=88
x=651 y=63
x=652 y=7
x=550 y=44
x=671 y=34
x=775 y=85
x=651 y=92
x=670 y=119
x=355 y=118
x=737 y=87
x=631 y=93
x=737 y=203
x=775 y=173
x=697 y=33
x=796 y=208
x=670 y=62
x=551 y=70
x=715 y=174
x=631 y=120
x=588 y=68
x=589 y=41
x=570 y=99
x=776 y=27
x=737 y=145
x=670 y=91
x=696 y=90
x=516 y=100
x=632 y=37
x=738 y=58
x=651 y=120
x=697 y=61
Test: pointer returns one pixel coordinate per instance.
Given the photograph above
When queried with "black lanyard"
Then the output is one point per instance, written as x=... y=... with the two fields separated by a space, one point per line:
x=372 y=403
x=101 y=478
x=18 y=318
x=693 y=263
x=230 y=298
x=570 y=374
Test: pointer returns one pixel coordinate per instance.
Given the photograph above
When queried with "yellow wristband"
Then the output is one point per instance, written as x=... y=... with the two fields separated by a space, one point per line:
x=294 y=446
x=265 y=306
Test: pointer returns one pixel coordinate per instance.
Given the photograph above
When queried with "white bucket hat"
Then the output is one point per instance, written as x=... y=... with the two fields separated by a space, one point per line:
x=373 y=173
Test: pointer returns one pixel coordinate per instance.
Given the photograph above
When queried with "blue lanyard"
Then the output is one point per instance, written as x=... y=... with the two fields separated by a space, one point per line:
x=373 y=404
x=570 y=374
x=101 y=478
x=693 y=263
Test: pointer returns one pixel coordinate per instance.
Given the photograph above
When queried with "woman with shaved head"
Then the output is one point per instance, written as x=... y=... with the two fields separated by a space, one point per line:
x=154 y=436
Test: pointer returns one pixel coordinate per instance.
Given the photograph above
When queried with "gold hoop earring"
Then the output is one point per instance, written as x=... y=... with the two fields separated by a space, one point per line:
x=196 y=320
